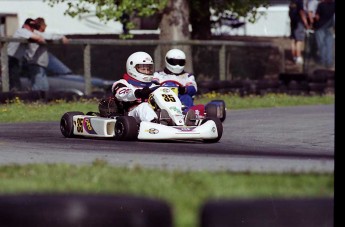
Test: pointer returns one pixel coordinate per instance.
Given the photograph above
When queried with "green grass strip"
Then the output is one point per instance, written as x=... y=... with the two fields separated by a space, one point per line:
x=184 y=191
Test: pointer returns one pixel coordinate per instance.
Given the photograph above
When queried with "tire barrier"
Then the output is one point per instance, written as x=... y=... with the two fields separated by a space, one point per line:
x=319 y=82
x=70 y=210
x=67 y=210
x=268 y=212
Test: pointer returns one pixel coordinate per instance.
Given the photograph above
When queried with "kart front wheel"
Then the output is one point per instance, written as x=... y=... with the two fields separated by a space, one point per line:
x=219 y=126
x=66 y=123
x=126 y=128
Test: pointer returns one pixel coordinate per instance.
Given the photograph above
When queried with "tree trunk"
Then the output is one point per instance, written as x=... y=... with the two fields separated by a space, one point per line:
x=174 y=26
x=200 y=20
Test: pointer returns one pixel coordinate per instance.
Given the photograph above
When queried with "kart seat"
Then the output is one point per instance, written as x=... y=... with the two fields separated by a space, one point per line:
x=110 y=107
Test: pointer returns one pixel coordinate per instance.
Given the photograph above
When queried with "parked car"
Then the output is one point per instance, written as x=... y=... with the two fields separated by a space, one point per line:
x=61 y=78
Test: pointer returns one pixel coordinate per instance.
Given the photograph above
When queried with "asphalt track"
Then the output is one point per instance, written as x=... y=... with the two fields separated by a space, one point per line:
x=287 y=139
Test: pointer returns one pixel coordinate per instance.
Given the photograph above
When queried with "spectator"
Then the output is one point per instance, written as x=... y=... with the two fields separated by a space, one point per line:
x=174 y=72
x=324 y=17
x=133 y=90
x=298 y=24
x=16 y=52
x=311 y=6
x=37 y=57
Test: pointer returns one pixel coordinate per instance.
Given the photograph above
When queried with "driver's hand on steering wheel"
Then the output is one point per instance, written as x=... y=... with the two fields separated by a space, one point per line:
x=182 y=90
x=143 y=93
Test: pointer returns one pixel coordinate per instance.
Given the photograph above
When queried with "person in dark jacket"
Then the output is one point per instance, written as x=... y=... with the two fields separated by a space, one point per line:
x=324 y=31
x=298 y=26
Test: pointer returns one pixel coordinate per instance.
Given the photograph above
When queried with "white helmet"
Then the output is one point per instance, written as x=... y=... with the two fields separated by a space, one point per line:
x=175 y=60
x=140 y=66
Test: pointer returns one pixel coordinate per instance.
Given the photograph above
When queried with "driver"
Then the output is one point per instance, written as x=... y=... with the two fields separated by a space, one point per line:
x=133 y=90
x=175 y=60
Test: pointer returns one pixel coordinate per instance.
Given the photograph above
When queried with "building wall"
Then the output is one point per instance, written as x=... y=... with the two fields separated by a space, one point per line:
x=274 y=22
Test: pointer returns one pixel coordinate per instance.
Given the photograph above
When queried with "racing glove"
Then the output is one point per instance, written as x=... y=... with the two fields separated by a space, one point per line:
x=143 y=93
x=182 y=90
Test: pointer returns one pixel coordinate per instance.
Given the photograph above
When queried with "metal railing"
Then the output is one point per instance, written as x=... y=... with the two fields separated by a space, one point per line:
x=87 y=43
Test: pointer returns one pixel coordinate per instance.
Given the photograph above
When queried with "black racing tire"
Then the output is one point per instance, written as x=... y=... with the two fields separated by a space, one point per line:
x=211 y=110
x=126 y=128
x=219 y=126
x=267 y=212
x=66 y=123
x=72 y=209
x=222 y=119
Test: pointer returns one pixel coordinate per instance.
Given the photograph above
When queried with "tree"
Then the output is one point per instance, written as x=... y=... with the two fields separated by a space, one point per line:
x=200 y=13
x=176 y=15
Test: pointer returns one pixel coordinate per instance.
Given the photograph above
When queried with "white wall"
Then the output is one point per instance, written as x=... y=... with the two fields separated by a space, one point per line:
x=57 y=22
x=276 y=22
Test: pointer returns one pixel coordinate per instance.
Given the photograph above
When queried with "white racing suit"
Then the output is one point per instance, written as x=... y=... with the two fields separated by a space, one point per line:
x=136 y=107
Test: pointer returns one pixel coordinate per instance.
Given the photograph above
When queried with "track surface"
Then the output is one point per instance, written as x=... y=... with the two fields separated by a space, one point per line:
x=289 y=139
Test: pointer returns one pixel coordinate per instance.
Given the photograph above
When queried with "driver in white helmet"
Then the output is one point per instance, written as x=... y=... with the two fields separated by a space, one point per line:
x=175 y=61
x=133 y=90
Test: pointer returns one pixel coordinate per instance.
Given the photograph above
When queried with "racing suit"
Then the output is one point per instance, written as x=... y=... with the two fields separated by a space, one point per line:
x=188 y=86
x=126 y=90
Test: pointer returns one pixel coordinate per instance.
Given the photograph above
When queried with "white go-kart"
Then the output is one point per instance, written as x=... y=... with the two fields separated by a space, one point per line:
x=171 y=124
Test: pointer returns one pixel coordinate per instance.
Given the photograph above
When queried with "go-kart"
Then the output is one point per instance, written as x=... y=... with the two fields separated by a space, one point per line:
x=171 y=124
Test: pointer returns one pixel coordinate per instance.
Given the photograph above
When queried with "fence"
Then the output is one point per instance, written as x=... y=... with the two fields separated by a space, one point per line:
x=212 y=59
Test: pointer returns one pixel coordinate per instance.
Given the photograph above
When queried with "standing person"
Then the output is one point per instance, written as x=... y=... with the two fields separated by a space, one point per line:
x=324 y=17
x=37 y=57
x=298 y=24
x=16 y=52
x=133 y=90
x=175 y=61
x=311 y=6
x=311 y=11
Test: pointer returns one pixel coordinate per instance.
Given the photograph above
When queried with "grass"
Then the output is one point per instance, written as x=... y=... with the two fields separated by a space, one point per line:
x=184 y=191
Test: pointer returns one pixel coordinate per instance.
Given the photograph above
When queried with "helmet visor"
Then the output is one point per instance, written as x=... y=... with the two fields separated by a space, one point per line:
x=180 y=62
x=146 y=69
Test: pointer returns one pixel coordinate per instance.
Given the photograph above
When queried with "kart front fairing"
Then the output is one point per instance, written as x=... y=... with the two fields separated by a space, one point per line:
x=93 y=126
x=153 y=131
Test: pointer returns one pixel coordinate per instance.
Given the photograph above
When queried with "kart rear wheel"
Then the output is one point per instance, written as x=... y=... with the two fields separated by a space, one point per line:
x=219 y=126
x=221 y=103
x=211 y=110
x=66 y=123
x=126 y=128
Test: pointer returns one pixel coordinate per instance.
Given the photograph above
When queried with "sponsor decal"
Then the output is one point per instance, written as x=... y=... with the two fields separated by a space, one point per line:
x=174 y=108
x=153 y=131
x=124 y=91
x=185 y=129
x=88 y=126
x=166 y=90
